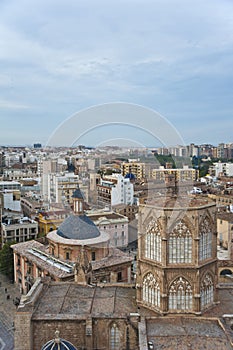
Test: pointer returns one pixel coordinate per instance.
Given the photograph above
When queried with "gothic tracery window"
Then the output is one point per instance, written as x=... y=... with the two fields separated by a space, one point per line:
x=207 y=291
x=180 y=244
x=153 y=242
x=114 y=337
x=205 y=242
x=151 y=290
x=180 y=295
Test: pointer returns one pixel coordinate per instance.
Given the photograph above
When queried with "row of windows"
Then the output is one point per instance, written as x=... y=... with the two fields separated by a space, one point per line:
x=180 y=293
x=180 y=243
x=180 y=249
x=115 y=226
x=153 y=246
x=114 y=337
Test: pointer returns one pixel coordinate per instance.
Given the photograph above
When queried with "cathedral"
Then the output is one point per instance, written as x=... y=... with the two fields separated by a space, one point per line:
x=177 y=257
x=175 y=301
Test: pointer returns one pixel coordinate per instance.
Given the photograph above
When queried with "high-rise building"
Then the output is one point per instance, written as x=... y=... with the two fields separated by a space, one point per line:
x=115 y=190
x=136 y=168
x=2 y=162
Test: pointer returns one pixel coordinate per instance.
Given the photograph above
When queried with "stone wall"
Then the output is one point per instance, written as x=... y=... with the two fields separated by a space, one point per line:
x=23 y=334
x=85 y=334
x=73 y=331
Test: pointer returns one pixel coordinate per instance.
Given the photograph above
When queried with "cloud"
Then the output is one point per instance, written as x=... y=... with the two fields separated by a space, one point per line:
x=169 y=55
x=12 y=105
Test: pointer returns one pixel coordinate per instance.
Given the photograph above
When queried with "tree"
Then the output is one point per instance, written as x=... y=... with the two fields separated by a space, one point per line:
x=163 y=159
x=7 y=260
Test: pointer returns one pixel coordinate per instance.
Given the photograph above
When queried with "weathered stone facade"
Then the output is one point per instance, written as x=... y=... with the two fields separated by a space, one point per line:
x=89 y=317
x=177 y=260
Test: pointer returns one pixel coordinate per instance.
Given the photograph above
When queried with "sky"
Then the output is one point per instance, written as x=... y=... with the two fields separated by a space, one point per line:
x=57 y=58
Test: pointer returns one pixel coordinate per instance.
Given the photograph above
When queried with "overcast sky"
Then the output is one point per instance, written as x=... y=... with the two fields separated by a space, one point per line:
x=58 y=57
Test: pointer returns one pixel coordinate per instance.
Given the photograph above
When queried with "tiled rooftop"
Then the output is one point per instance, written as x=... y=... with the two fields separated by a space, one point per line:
x=186 y=333
x=79 y=227
x=72 y=301
x=116 y=257
x=225 y=216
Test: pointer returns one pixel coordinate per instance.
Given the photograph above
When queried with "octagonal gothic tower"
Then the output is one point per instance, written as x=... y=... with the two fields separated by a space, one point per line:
x=177 y=258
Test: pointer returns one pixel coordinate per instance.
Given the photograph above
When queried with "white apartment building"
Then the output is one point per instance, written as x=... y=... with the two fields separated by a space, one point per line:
x=18 y=174
x=122 y=191
x=115 y=189
x=178 y=151
x=47 y=168
x=9 y=185
x=116 y=225
x=10 y=200
x=222 y=169
x=60 y=188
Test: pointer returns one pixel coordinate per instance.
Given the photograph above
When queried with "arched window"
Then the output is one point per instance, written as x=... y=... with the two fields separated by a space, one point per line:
x=114 y=337
x=153 y=242
x=225 y=272
x=180 y=244
x=151 y=290
x=205 y=241
x=207 y=291
x=180 y=295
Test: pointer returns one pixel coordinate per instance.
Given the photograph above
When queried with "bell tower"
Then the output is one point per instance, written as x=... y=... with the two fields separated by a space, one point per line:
x=78 y=202
x=177 y=257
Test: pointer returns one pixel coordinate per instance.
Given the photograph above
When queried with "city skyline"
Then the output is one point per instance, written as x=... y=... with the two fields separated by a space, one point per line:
x=172 y=57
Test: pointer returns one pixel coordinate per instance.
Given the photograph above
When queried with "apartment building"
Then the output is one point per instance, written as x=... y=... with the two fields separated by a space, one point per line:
x=2 y=162
x=225 y=232
x=9 y=185
x=222 y=169
x=11 y=200
x=114 y=224
x=183 y=174
x=115 y=190
x=19 y=174
x=59 y=188
x=136 y=168
x=18 y=229
x=50 y=220
x=48 y=168
x=31 y=206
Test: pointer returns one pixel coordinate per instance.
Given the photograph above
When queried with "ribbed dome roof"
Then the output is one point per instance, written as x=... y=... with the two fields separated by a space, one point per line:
x=77 y=193
x=63 y=345
x=130 y=176
x=78 y=227
x=58 y=344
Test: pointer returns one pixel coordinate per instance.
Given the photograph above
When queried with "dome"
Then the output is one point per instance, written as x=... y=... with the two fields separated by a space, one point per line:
x=58 y=344
x=130 y=176
x=62 y=345
x=77 y=194
x=78 y=227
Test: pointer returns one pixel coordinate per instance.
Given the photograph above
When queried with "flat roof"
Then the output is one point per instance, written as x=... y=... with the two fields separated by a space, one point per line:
x=180 y=202
x=10 y=183
x=106 y=216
